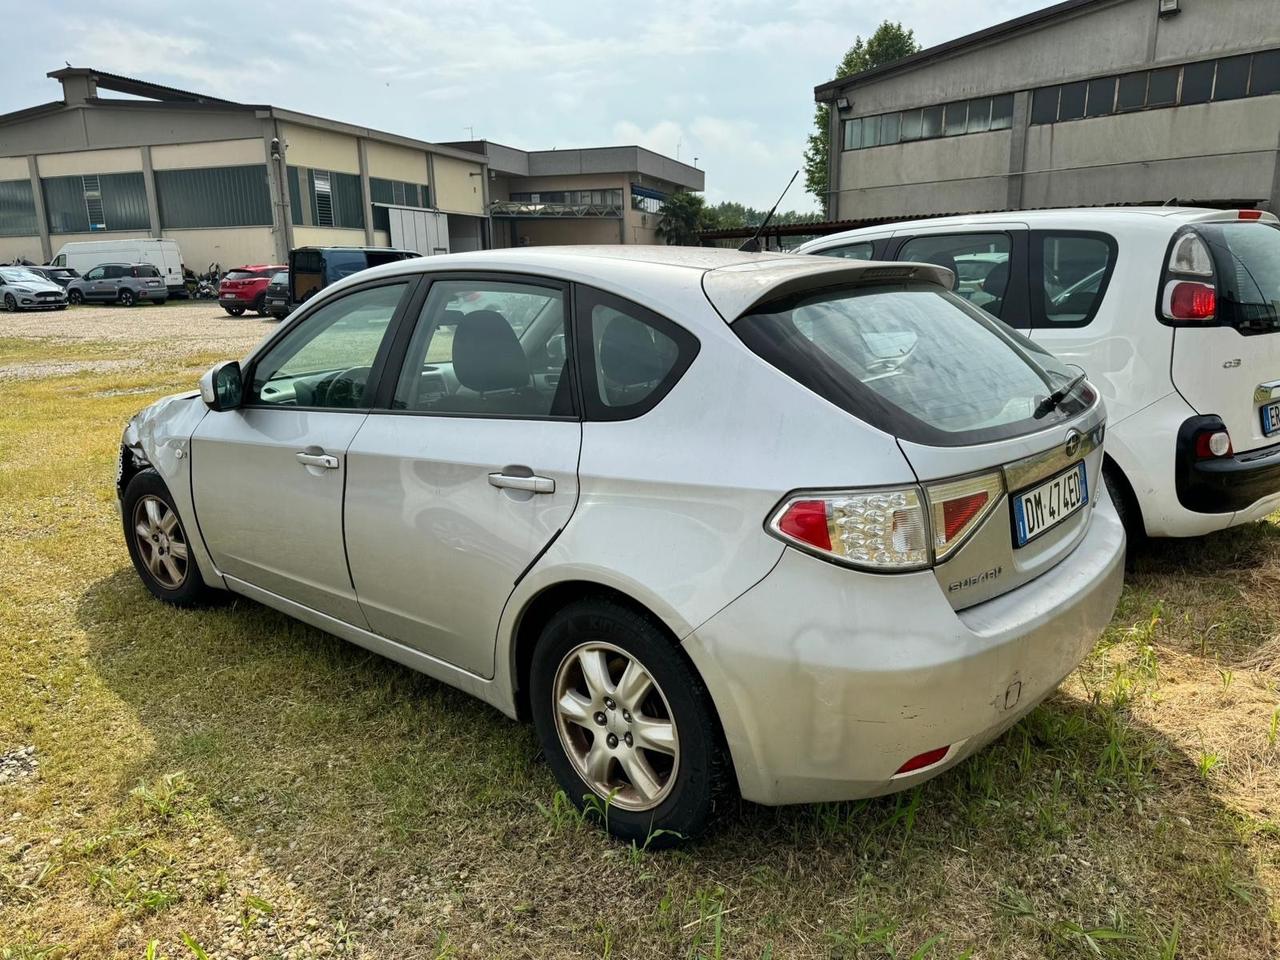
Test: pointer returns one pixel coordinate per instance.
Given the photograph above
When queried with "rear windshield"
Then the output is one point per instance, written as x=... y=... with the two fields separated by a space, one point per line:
x=239 y=275
x=914 y=360
x=280 y=278
x=1247 y=257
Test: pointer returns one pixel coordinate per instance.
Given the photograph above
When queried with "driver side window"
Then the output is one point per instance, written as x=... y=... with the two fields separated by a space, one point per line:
x=325 y=361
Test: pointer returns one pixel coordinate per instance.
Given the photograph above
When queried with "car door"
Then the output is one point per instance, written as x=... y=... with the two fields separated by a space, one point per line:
x=267 y=478
x=468 y=474
x=113 y=276
x=989 y=261
x=89 y=285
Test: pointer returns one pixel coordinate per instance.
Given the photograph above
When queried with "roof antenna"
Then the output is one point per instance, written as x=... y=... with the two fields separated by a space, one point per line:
x=752 y=245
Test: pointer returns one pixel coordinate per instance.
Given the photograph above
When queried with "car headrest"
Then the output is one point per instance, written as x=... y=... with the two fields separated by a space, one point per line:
x=628 y=356
x=487 y=354
x=995 y=281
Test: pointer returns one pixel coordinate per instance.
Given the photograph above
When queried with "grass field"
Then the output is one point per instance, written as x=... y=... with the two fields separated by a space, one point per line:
x=231 y=784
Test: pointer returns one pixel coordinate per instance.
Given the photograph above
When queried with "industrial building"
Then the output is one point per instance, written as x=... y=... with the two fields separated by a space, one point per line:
x=1083 y=103
x=590 y=195
x=244 y=183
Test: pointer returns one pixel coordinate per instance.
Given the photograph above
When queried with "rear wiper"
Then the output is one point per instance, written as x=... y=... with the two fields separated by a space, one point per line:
x=1051 y=402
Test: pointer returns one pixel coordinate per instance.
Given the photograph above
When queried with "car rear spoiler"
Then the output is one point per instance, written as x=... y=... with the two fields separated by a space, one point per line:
x=737 y=290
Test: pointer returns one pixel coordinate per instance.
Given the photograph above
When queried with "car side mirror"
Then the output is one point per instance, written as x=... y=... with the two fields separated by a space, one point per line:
x=221 y=387
x=555 y=349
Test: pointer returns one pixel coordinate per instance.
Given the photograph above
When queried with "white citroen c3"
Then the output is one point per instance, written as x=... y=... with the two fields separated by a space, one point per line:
x=1173 y=312
x=795 y=527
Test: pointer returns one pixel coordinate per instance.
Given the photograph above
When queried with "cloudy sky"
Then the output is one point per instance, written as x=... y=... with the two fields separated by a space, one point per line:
x=728 y=82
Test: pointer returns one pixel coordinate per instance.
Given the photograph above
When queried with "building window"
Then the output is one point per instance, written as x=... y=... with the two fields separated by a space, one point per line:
x=1197 y=82
x=323 y=190
x=336 y=200
x=1133 y=92
x=852 y=134
x=890 y=127
x=931 y=124
x=955 y=118
x=1162 y=87
x=17 y=209
x=214 y=197
x=108 y=201
x=979 y=115
x=1044 y=105
x=395 y=193
x=1071 y=101
x=1233 y=78
x=1101 y=99
x=1266 y=74
x=1002 y=112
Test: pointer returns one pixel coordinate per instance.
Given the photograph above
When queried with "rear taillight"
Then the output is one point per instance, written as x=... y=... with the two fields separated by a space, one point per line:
x=958 y=507
x=1190 y=256
x=872 y=529
x=888 y=530
x=1249 y=214
x=1213 y=444
x=1190 y=301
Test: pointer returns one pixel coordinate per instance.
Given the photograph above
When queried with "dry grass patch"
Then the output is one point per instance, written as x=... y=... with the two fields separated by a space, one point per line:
x=233 y=782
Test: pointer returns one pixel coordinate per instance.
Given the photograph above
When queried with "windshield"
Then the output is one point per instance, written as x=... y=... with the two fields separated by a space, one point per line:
x=281 y=278
x=914 y=360
x=1247 y=257
x=11 y=275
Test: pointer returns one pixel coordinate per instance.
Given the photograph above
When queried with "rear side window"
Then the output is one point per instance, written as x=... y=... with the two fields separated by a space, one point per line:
x=1074 y=270
x=913 y=360
x=851 y=251
x=1247 y=261
x=980 y=262
x=632 y=357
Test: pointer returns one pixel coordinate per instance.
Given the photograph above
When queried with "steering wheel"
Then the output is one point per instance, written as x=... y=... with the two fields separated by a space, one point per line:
x=346 y=389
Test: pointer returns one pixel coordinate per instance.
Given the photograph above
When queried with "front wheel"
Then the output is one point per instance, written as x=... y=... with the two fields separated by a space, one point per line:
x=626 y=724
x=75 y=298
x=159 y=544
x=126 y=298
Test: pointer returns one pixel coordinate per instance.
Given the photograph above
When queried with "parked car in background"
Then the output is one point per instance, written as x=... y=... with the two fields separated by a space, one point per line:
x=1174 y=313
x=245 y=288
x=59 y=275
x=311 y=269
x=122 y=283
x=803 y=528
x=164 y=255
x=21 y=288
x=277 y=303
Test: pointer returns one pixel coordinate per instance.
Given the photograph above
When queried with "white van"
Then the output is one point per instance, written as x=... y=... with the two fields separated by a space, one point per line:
x=164 y=255
x=1173 y=312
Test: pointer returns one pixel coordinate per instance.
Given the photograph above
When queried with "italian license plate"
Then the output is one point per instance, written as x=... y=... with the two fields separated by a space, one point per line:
x=1270 y=419
x=228 y=296
x=1043 y=507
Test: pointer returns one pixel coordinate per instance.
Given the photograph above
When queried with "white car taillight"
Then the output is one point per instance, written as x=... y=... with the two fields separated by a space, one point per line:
x=1191 y=256
x=957 y=507
x=872 y=529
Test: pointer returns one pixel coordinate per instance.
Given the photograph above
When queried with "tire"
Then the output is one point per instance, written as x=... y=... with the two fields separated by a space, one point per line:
x=234 y=311
x=75 y=298
x=126 y=297
x=1126 y=504
x=684 y=787
x=260 y=305
x=10 y=303
x=170 y=576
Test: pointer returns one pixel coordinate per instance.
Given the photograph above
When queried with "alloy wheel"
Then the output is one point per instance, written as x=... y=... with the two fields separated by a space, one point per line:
x=126 y=297
x=616 y=726
x=10 y=303
x=160 y=541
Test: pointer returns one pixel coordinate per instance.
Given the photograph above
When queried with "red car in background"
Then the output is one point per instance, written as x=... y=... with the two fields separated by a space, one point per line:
x=245 y=288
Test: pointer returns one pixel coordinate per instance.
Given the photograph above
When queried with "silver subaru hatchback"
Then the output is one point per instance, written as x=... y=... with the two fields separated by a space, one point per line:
x=788 y=527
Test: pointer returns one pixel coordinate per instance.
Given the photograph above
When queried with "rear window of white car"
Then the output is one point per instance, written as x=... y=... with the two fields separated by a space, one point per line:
x=914 y=360
x=1247 y=259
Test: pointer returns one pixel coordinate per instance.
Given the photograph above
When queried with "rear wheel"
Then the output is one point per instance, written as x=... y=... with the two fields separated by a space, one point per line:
x=10 y=303
x=626 y=724
x=75 y=297
x=126 y=297
x=159 y=544
x=260 y=305
x=234 y=311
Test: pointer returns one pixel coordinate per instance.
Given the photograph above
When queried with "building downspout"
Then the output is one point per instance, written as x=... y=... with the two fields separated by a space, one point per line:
x=42 y=217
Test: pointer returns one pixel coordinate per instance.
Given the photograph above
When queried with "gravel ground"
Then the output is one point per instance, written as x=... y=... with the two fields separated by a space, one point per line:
x=197 y=325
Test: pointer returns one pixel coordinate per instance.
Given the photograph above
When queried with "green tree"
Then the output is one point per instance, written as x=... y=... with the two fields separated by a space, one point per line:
x=682 y=216
x=890 y=42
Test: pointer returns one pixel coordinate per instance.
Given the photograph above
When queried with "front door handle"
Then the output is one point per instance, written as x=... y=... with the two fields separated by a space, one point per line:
x=317 y=460
x=532 y=484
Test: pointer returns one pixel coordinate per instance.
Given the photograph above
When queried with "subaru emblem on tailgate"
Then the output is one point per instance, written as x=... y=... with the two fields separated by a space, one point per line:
x=1073 y=443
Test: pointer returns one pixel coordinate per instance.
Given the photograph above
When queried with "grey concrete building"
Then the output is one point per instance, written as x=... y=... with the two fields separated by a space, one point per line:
x=587 y=195
x=232 y=182
x=1082 y=103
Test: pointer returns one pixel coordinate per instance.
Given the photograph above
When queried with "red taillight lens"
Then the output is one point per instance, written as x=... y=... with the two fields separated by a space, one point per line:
x=1212 y=444
x=958 y=506
x=922 y=760
x=1249 y=214
x=806 y=521
x=956 y=513
x=1189 y=300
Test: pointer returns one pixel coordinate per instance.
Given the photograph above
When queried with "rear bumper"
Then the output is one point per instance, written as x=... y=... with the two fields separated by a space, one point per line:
x=827 y=680
x=159 y=296
x=1226 y=484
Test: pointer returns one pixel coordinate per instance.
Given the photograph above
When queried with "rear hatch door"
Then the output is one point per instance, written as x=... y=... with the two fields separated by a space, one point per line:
x=1232 y=368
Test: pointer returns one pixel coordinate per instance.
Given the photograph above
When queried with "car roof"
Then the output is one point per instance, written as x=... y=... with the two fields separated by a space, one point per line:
x=261 y=266
x=1081 y=217
x=732 y=280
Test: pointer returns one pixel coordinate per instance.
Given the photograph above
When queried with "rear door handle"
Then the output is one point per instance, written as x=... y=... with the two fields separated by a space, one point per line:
x=532 y=484
x=317 y=460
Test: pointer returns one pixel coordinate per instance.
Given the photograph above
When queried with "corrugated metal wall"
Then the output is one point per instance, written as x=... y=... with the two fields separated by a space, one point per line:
x=401 y=193
x=348 y=208
x=214 y=197
x=124 y=202
x=295 y=197
x=17 y=209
